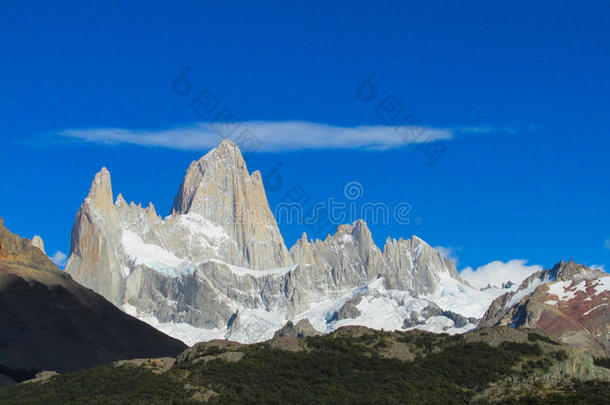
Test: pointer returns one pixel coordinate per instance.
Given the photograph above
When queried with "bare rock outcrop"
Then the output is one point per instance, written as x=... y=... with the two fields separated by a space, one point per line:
x=37 y=242
x=301 y=329
x=350 y=310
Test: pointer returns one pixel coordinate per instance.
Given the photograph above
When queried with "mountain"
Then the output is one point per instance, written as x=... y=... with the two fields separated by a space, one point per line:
x=218 y=267
x=569 y=301
x=50 y=322
x=219 y=188
x=352 y=365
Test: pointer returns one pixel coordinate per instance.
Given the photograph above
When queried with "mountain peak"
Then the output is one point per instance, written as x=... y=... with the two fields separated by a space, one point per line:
x=418 y=240
x=102 y=178
x=37 y=242
x=100 y=194
x=218 y=165
x=228 y=146
x=13 y=248
x=120 y=201
x=570 y=270
x=227 y=154
x=219 y=188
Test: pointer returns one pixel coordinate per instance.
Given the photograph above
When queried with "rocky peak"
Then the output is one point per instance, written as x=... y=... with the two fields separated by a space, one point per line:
x=224 y=163
x=369 y=252
x=564 y=271
x=414 y=245
x=37 y=242
x=219 y=188
x=120 y=201
x=14 y=249
x=416 y=265
x=361 y=232
x=228 y=149
x=151 y=213
x=100 y=194
x=302 y=251
x=357 y=232
x=567 y=301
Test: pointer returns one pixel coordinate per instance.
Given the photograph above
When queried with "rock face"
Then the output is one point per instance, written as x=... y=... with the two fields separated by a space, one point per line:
x=350 y=310
x=354 y=259
x=42 y=377
x=219 y=188
x=217 y=267
x=433 y=310
x=568 y=301
x=50 y=322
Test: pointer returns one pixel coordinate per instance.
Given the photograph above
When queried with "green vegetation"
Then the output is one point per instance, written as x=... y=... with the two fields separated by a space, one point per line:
x=343 y=370
x=99 y=385
x=338 y=369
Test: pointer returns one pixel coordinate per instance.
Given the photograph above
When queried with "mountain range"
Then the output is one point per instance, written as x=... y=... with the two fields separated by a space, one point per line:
x=218 y=267
x=138 y=288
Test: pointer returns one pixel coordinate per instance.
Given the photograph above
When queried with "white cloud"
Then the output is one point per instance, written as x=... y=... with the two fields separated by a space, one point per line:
x=498 y=272
x=59 y=258
x=449 y=252
x=271 y=136
x=598 y=267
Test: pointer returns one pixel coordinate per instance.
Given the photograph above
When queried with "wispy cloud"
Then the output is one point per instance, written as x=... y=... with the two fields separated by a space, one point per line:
x=607 y=243
x=59 y=258
x=449 y=252
x=272 y=136
x=498 y=272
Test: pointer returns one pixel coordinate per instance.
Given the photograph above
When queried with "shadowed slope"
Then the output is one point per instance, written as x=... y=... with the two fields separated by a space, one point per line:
x=50 y=322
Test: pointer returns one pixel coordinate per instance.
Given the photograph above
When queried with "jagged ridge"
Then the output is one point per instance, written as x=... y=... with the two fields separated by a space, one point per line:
x=219 y=263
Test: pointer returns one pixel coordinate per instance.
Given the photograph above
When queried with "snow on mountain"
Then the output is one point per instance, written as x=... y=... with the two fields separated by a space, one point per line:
x=463 y=299
x=152 y=256
x=379 y=309
x=527 y=290
x=569 y=301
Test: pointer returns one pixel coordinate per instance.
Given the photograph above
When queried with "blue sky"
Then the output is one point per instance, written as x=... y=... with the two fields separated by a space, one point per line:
x=518 y=94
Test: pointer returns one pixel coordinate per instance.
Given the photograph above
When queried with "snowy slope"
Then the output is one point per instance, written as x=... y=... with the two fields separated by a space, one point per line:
x=380 y=309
